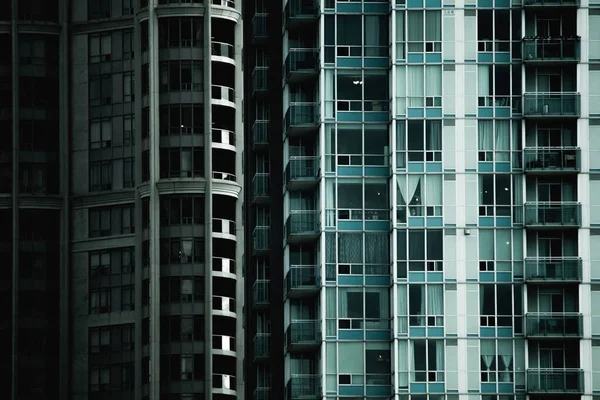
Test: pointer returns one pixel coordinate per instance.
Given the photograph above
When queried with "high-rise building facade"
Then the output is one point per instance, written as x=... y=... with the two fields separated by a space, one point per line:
x=422 y=206
x=121 y=199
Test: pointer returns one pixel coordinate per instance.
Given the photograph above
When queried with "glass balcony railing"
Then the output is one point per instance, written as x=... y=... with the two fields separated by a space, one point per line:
x=297 y=11
x=260 y=187
x=301 y=62
x=558 y=214
x=555 y=380
x=259 y=79
x=556 y=3
x=260 y=239
x=552 y=159
x=553 y=270
x=260 y=291
x=303 y=386
x=303 y=224
x=262 y=345
x=223 y=93
x=301 y=116
x=303 y=279
x=551 y=105
x=259 y=26
x=302 y=169
x=303 y=334
x=540 y=49
x=221 y=49
x=260 y=137
x=554 y=325
x=262 y=393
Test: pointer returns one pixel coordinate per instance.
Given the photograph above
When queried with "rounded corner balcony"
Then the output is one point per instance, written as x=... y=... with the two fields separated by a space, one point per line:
x=224 y=345
x=226 y=9
x=551 y=160
x=223 y=95
x=224 y=385
x=260 y=294
x=303 y=387
x=261 y=188
x=303 y=226
x=301 y=64
x=302 y=118
x=298 y=13
x=222 y=52
x=260 y=240
x=555 y=270
x=224 y=267
x=551 y=3
x=303 y=335
x=551 y=50
x=553 y=215
x=223 y=306
x=555 y=381
x=302 y=172
x=262 y=346
x=554 y=325
x=550 y=105
x=223 y=139
x=302 y=281
x=224 y=228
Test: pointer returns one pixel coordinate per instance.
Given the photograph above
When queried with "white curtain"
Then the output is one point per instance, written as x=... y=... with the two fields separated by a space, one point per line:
x=330 y=202
x=433 y=80
x=502 y=140
x=403 y=363
x=415 y=86
x=350 y=248
x=439 y=356
x=435 y=300
x=330 y=311
x=415 y=26
x=433 y=190
x=505 y=355
x=486 y=135
x=413 y=184
x=433 y=26
x=434 y=135
x=483 y=78
x=488 y=354
x=402 y=310
x=329 y=93
x=343 y=302
x=401 y=90
x=402 y=192
x=412 y=360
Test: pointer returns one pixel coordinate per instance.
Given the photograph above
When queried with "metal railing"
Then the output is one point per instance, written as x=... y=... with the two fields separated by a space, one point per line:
x=558 y=213
x=537 y=48
x=301 y=8
x=223 y=136
x=225 y=176
x=259 y=78
x=221 y=225
x=260 y=238
x=262 y=393
x=303 y=222
x=551 y=104
x=303 y=277
x=302 y=60
x=260 y=132
x=302 y=167
x=260 y=185
x=262 y=344
x=302 y=114
x=220 y=92
x=555 y=380
x=303 y=332
x=555 y=269
x=224 y=3
x=554 y=324
x=260 y=289
x=222 y=49
x=259 y=25
x=552 y=158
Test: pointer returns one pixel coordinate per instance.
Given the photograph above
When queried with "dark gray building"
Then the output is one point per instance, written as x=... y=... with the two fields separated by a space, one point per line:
x=120 y=199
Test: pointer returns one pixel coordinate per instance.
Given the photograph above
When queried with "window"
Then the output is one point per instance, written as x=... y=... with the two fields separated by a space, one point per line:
x=100 y=90
x=423 y=85
x=427 y=360
x=100 y=48
x=100 y=301
x=180 y=76
x=368 y=310
x=99 y=379
x=181 y=119
x=362 y=90
x=128 y=130
x=181 y=210
x=99 y=9
x=185 y=162
x=351 y=39
x=100 y=133
x=496 y=247
x=423 y=31
x=184 y=367
x=99 y=222
x=99 y=264
x=419 y=195
x=128 y=87
x=497 y=362
x=422 y=141
x=494 y=140
x=182 y=290
x=496 y=304
x=493 y=30
x=180 y=32
x=128 y=172
x=127 y=298
x=115 y=220
x=422 y=249
x=38 y=177
x=494 y=85
x=495 y=194
x=425 y=305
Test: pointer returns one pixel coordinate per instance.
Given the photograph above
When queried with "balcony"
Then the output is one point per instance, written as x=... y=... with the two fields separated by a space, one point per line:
x=262 y=346
x=223 y=94
x=555 y=381
x=260 y=240
x=302 y=173
x=222 y=49
x=553 y=215
x=261 y=393
x=552 y=160
x=260 y=293
x=539 y=50
x=303 y=226
x=298 y=13
x=302 y=281
x=551 y=3
x=259 y=28
x=551 y=105
x=554 y=325
x=260 y=136
x=553 y=270
x=301 y=64
x=260 y=188
x=259 y=81
x=302 y=118
x=303 y=335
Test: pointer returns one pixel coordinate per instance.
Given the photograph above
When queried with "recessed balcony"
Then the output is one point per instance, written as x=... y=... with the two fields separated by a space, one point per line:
x=551 y=3
x=302 y=281
x=551 y=105
x=260 y=240
x=302 y=118
x=260 y=291
x=552 y=160
x=259 y=81
x=262 y=346
x=551 y=50
x=553 y=270
x=260 y=188
x=262 y=393
x=554 y=325
x=303 y=226
x=553 y=215
x=224 y=3
x=555 y=381
x=303 y=335
x=223 y=95
x=259 y=27
x=302 y=173
x=222 y=49
x=260 y=136
x=298 y=13
x=301 y=64
x=303 y=387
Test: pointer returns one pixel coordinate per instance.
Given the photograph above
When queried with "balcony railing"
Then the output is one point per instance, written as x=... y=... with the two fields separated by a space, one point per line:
x=301 y=172
x=262 y=393
x=541 y=49
x=301 y=62
x=260 y=187
x=303 y=335
x=260 y=136
x=559 y=214
x=299 y=11
x=554 y=380
x=301 y=117
x=260 y=290
x=259 y=26
x=554 y=325
x=223 y=93
x=551 y=105
x=303 y=224
x=553 y=270
x=224 y=3
x=556 y=3
x=259 y=79
x=303 y=280
x=552 y=159
x=260 y=239
x=262 y=345
x=221 y=49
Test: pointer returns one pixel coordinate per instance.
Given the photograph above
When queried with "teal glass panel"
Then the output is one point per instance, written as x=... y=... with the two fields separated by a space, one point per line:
x=502 y=112
x=434 y=112
x=347 y=334
x=377 y=116
x=347 y=390
x=486 y=221
x=350 y=225
x=377 y=8
x=435 y=332
x=377 y=280
x=416 y=222
x=503 y=57
x=433 y=167
x=349 y=8
x=414 y=112
x=418 y=332
x=505 y=332
x=437 y=388
x=506 y=388
x=349 y=62
x=488 y=388
x=502 y=167
x=377 y=171
x=416 y=167
x=503 y=221
x=433 y=3
x=486 y=277
x=433 y=222
x=350 y=171
x=486 y=167
x=378 y=335
x=504 y=277
x=349 y=116
x=380 y=226
x=377 y=62
x=350 y=280
x=435 y=276
x=487 y=332
x=416 y=277
x=418 y=387
x=485 y=57
x=379 y=390
x=485 y=112
x=433 y=57
x=414 y=58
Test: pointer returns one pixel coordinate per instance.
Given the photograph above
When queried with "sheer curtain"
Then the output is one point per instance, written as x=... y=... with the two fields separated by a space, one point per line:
x=433 y=26
x=435 y=300
x=402 y=191
x=433 y=190
x=415 y=30
x=377 y=248
x=415 y=86
x=350 y=248
x=486 y=135
x=502 y=140
x=329 y=93
x=505 y=355
x=433 y=134
x=488 y=354
x=439 y=358
x=402 y=311
x=403 y=364
x=414 y=193
x=433 y=80
x=330 y=202
x=330 y=311
x=483 y=79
